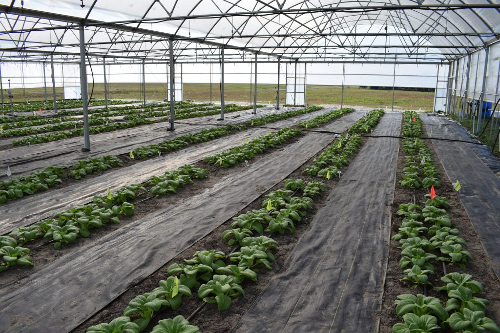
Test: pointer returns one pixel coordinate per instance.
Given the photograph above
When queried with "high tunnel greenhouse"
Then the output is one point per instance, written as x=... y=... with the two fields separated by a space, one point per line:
x=249 y=166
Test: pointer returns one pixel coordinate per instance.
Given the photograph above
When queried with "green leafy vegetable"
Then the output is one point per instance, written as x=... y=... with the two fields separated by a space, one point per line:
x=220 y=290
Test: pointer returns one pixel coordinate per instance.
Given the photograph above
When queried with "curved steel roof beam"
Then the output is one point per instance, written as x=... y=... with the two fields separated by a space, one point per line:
x=354 y=9
x=187 y=17
x=480 y=17
x=372 y=22
x=244 y=23
x=292 y=20
x=89 y=11
x=447 y=20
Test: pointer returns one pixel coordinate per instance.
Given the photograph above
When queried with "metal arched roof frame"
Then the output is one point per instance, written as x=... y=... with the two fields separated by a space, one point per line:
x=292 y=30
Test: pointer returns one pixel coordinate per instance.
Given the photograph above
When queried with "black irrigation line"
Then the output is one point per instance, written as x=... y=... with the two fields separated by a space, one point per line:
x=377 y=136
x=41 y=158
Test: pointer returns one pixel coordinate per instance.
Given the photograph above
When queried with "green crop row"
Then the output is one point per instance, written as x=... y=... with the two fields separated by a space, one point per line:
x=16 y=188
x=68 y=226
x=37 y=121
x=79 y=132
x=19 y=187
x=63 y=229
x=329 y=163
x=423 y=233
x=412 y=126
x=426 y=236
x=138 y=109
x=367 y=122
x=325 y=118
x=210 y=134
x=191 y=112
x=419 y=170
x=271 y=118
x=51 y=128
x=217 y=277
x=137 y=119
x=248 y=150
x=62 y=104
x=183 y=141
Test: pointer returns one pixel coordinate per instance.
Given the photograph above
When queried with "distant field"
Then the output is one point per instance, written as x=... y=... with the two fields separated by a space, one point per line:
x=242 y=93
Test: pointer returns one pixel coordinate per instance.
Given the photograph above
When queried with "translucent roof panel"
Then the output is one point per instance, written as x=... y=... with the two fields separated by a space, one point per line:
x=294 y=30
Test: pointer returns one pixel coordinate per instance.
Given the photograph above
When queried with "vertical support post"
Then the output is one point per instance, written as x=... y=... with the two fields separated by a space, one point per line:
x=171 y=84
x=457 y=64
x=393 y=82
x=144 y=81
x=166 y=71
x=1 y=84
x=494 y=102
x=62 y=74
x=343 y=82
x=278 y=92
x=54 y=81
x=473 y=114
x=168 y=80
x=448 y=89
x=251 y=86
x=84 y=87
x=255 y=88
x=105 y=83
x=211 y=65
x=436 y=89
x=22 y=80
x=466 y=85
x=182 y=83
x=483 y=86
x=44 y=83
x=295 y=86
x=222 y=85
x=286 y=82
x=305 y=83
x=466 y=76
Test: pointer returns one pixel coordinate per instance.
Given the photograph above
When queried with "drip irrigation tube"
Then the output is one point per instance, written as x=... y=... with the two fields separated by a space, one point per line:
x=380 y=136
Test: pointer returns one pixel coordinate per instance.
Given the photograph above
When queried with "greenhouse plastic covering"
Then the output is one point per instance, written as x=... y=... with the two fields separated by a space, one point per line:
x=305 y=30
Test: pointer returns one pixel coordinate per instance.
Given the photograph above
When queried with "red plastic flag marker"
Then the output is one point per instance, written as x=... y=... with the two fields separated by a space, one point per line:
x=414 y=119
x=433 y=192
x=40 y=111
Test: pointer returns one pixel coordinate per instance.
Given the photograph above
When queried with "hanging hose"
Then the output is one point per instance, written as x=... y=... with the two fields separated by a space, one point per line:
x=93 y=82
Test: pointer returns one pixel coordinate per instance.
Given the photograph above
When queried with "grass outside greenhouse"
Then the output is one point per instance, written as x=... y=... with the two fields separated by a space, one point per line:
x=237 y=92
